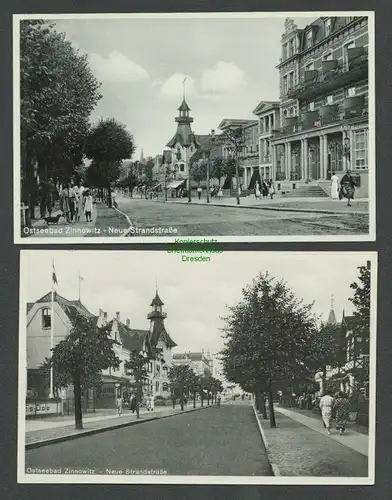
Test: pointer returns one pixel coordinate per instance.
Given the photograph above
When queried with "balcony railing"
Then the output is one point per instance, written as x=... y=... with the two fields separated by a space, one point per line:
x=327 y=80
x=338 y=116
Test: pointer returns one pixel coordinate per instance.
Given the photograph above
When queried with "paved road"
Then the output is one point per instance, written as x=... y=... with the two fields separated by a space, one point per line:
x=192 y=220
x=214 y=441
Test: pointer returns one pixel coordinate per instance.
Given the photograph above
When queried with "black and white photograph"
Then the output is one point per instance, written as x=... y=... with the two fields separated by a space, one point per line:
x=233 y=126
x=158 y=367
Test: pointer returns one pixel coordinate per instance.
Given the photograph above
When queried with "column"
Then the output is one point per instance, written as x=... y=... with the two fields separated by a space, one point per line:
x=344 y=159
x=273 y=162
x=245 y=177
x=288 y=162
x=302 y=157
x=325 y=156
x=351 y=136
x=306 y=160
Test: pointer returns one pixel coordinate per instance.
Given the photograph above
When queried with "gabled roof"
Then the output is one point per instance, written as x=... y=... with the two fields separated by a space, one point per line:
x=132 y=340
x=348 y=321
x=235 y=122
x=264 y=106
x=66 y=304
x=183 y=136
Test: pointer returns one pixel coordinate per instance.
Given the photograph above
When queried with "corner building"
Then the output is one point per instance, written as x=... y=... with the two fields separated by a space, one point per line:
x=323 y=104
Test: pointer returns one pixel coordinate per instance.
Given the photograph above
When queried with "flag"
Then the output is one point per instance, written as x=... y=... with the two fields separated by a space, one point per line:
x=185 y=79
x=54 y=278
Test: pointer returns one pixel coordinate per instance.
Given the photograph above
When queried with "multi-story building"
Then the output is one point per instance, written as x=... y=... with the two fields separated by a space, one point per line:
x=249 y=155
x=198 y=361
x=323 y=104
x=154 y=343
x=268 y=114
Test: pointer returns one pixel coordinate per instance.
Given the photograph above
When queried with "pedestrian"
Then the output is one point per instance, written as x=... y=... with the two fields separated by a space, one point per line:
x=220 y=194
x=219 y=400
x=72 y=201
x=264 y=189
x=199 y=190
x=347 y=188
x=119 y=406
x=174 y=401
x=334 y=186
x=326 y=406
x=133 y=403
x=64 y=202
x=342 y=412
x=257 y=191
x=88 y=205
x=152 y=402
x=271 y=189
x=79 y=190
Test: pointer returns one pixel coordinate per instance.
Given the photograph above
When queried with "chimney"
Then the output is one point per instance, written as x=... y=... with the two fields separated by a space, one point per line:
x=117 y=316
x=128 y=323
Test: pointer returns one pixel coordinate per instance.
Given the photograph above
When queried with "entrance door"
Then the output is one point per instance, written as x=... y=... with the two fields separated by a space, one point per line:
x=314 y=160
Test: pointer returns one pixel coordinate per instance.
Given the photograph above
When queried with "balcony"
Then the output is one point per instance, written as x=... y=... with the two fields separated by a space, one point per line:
x=332 y=76
x=353 y=107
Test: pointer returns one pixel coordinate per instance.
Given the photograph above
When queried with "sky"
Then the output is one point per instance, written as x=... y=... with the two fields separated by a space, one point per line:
x=229 y=63
x=195 y=294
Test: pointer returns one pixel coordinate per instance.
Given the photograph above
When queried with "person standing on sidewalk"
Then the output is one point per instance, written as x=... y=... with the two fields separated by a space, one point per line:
x=119 y=405
x=88 y=205
x=133 y=403
x=326 y=407
x=219 y=400
x=342 y=412
x=199 y=190
x=220 y=194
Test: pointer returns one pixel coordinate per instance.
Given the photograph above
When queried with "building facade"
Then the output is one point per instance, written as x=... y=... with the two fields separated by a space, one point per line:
x=323 y=104
x=199 y=362
x=268 y=115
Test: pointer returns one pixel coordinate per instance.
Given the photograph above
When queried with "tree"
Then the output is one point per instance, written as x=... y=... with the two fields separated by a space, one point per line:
x=361 y=302
x=80 y=358
x=199 y=170
x=181 y=378
x=228 y=169
x=136 y=365
x=108 y=143
x=58 y=92
x=217 y=168
x=269 y=336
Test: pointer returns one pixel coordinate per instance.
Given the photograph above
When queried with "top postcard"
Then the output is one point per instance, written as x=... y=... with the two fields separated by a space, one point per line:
x=216 y=127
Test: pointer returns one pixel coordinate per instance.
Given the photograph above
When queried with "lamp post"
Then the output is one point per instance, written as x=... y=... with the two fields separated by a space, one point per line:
x=212 y=138
x=235 y=142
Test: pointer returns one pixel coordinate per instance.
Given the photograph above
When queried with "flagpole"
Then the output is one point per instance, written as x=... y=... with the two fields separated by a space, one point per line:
x=79 y=286
x=52 y=339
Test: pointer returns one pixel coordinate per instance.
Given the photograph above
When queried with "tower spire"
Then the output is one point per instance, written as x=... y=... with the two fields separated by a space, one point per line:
x=332 y=300
x=183 y=88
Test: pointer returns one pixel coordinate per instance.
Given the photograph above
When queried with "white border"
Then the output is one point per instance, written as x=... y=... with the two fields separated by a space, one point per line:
x=240 y=15
x=281 y=480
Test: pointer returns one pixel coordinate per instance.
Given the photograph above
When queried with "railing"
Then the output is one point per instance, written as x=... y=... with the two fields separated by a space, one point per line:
x=354 y=64
x=280 y=176
x=295 y=176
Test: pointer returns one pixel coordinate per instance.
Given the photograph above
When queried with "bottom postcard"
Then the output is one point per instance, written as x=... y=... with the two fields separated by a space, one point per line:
x=246 y=368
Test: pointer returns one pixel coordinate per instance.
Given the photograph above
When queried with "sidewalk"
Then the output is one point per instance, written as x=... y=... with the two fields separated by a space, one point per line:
x=280 y=203
x=304 y=449
x=44 y=431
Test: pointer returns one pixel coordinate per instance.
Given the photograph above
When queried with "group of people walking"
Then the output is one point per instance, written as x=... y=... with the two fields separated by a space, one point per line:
x=76 y=200
x=335 y=407
x=343 y=188
x=265 y=190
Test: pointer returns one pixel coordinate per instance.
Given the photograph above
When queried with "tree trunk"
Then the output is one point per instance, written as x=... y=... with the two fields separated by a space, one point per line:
x=109 y=196
x=202 y=399
x=182 y=403
x=194 y=400
x=78 y=403
x=271 y=409
x=263 y=407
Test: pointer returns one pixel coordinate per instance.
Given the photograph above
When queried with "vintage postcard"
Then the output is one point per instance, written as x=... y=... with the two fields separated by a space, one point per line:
x=252 y=368
x=268 y=135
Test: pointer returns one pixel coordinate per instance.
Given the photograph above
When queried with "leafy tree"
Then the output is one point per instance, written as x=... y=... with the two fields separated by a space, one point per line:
x=58 y=92
x=80 y=358
x=269 y=337
x=217 y=168
x=136 y=365
x=108 y=143
x=181 y=378
x=199 y=170
x=361 y=302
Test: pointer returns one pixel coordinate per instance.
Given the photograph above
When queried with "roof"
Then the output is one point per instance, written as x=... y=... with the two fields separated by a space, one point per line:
x=184 y=106
x=265 y=106
x=158 y=332
x=167 y=156
x=156 y=301
x=331 y=318
x=192 y=356
x=233 y=122
x=67 y=305
x=183 y=136
x=348 y=321
x=132 y=340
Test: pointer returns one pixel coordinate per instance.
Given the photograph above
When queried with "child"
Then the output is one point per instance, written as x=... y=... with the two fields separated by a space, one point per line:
x=88 y=205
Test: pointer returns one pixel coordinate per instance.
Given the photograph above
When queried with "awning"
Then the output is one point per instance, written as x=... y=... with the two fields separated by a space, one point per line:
x=157 y=186
x=175 y=184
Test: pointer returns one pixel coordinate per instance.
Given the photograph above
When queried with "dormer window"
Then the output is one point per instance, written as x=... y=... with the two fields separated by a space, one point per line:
x=327 y=27
x=309 y=39
x=46 y=318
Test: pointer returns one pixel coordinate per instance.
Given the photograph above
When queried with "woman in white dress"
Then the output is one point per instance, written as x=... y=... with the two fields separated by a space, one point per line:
x=257 y=191
x=335 y=181
x=79 y=199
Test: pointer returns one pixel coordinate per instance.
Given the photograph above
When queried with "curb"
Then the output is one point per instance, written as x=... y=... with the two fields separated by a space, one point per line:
x=71 y=437
x=273 y=467
x=276 y=209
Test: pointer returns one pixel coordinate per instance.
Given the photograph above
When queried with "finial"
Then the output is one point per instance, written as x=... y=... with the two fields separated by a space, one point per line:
x=183 y=87
x=332 y=301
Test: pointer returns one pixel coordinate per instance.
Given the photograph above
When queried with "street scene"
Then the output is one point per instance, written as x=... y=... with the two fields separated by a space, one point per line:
x=158 y=140
x=134 y=374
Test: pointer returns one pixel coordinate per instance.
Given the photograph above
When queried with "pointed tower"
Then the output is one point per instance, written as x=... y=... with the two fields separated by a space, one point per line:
x=157 y=324
x=332 y=318
x=142 y=157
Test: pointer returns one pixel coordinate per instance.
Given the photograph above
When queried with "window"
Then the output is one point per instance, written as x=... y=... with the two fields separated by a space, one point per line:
x=327 y=26
x=46 y=318
x=291 y=80
x=350 y=92
x=284 y=52
x=157 y=386
x=309 y=67
x=309 y=39
x=285 y=88
x=328 y=56
x=291 y=48
x=346 y=49
x=257 y=147
x=329 y=99
x=182 y=167
x=360 y=150
x=311 y=106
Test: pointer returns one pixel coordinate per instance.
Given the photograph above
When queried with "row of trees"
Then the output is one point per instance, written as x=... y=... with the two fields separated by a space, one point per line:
x=273 y=340
x=58 y=93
